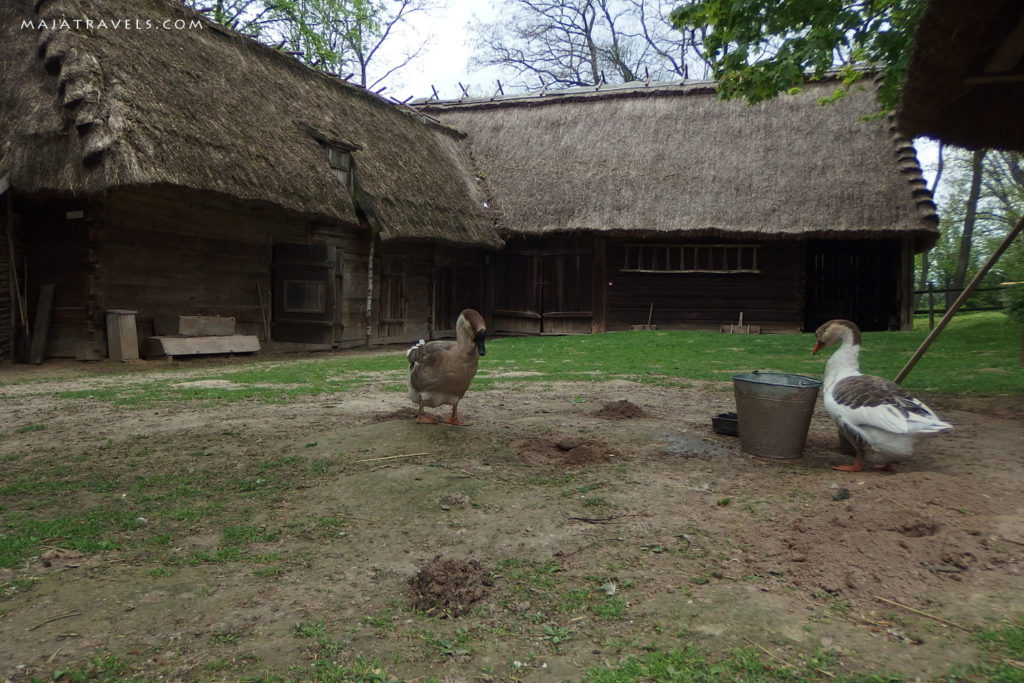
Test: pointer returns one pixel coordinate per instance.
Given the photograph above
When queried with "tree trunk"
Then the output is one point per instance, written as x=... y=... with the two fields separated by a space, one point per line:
x=970 y=217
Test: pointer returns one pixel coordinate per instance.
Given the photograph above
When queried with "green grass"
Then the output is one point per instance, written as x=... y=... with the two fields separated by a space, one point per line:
x=142 y=513
x=977 y=353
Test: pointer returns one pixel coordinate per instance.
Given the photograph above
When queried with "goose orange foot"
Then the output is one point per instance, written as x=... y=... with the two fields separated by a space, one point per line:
x=454 y=420
x=858 y=466
x=425 y=419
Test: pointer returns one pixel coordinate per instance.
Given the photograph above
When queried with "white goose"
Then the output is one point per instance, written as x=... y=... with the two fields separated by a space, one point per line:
x=440 y=371
x=878 y=417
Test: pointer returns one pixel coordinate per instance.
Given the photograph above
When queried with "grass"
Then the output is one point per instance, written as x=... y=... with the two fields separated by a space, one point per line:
x=977 y=353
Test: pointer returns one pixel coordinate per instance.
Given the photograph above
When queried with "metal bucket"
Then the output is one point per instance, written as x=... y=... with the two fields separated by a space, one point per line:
x=774 y=412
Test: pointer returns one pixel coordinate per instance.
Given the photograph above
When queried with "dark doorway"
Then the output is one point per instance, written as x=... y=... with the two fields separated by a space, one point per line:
x=855 y=280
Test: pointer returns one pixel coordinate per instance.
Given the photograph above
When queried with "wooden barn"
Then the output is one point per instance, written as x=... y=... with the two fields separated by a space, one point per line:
x=185 y=170
x=661 y=204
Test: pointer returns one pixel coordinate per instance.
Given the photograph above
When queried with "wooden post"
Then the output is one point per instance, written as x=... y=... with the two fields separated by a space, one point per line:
x=369 y=290
x=1017 y=229
x=931 y=305
x=599 y=285
x=42 y=324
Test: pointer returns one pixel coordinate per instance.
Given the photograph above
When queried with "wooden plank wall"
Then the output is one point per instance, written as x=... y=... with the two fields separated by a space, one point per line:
x=772 y=298
x=169 y=251
x=460 y=281
x=415 y=266
x=166 y=251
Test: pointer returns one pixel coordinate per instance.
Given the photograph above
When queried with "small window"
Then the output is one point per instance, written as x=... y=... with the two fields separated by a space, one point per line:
x=305 y=296
x=341 y=161
x=691 y=258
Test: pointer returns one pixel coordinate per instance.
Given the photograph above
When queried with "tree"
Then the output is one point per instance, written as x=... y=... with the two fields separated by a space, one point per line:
x=999 y=205
x=970 y=219
x=338 y=36
x=584 y=42
x=367 y=27
x=758 y=49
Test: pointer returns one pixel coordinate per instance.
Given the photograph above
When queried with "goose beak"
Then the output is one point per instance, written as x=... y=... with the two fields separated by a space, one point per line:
x=479 y=339
x=818 y=346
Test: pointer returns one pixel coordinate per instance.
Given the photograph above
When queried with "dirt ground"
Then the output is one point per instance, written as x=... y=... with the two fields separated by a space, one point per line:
x=616 y=484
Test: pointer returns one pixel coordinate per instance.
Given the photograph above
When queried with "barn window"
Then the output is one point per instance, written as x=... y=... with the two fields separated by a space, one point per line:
x=341 y=161
x=305 y=296
x=691 y=258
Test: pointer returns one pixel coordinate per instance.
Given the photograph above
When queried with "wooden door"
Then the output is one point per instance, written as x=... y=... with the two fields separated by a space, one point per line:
x=307 y=294
x=566 y=285
x=853 y=279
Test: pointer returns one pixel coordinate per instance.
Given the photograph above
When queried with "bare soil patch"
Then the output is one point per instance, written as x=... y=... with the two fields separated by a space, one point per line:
x=620 y=492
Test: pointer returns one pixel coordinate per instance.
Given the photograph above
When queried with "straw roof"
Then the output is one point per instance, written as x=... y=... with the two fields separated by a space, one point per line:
x=84 y=109
x=674 y=158
x=965 y=82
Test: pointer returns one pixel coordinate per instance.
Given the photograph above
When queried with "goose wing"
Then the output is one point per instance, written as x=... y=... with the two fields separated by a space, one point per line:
x=427 y=364
x=876 y=402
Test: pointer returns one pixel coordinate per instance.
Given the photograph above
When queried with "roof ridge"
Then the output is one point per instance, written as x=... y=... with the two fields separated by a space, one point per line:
x=635 y=87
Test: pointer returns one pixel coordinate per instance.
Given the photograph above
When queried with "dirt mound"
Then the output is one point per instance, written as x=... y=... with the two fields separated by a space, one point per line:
x=620 y=410
x=449 y=587
x=562 y=451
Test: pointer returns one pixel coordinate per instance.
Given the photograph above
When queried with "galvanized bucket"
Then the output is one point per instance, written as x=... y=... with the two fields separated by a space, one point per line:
x=774 y=412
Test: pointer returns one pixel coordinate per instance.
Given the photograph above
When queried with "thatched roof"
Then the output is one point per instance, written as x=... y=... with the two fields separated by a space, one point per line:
x=83 y=109
x=675 y=158
x=965 y=83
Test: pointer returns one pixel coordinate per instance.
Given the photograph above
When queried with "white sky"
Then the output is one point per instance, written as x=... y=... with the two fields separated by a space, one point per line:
x=445 y=61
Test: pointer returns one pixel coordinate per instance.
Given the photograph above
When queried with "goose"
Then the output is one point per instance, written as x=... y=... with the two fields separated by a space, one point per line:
x=881 y=419
x=440 y=371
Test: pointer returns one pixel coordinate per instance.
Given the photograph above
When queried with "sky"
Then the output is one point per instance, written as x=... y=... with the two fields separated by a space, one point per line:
x=445 y=62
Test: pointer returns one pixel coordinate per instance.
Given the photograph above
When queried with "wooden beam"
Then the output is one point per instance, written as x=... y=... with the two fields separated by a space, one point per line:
x=1009 y=52
x=960 y=300
x=155 y=347
x=999 y=79
x=43 y=308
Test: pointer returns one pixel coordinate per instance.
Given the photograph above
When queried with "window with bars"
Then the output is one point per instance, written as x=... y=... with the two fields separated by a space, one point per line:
x=691 y=258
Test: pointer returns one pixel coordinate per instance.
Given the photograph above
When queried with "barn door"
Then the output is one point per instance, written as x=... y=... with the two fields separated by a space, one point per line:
x=456 y=286
x=856 y=280
x=565 y=285
x=518 y=293
x=307 y=284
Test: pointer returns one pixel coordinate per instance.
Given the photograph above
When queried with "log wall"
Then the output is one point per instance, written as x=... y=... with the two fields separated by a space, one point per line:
x=164 y=251
x=772 y=298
